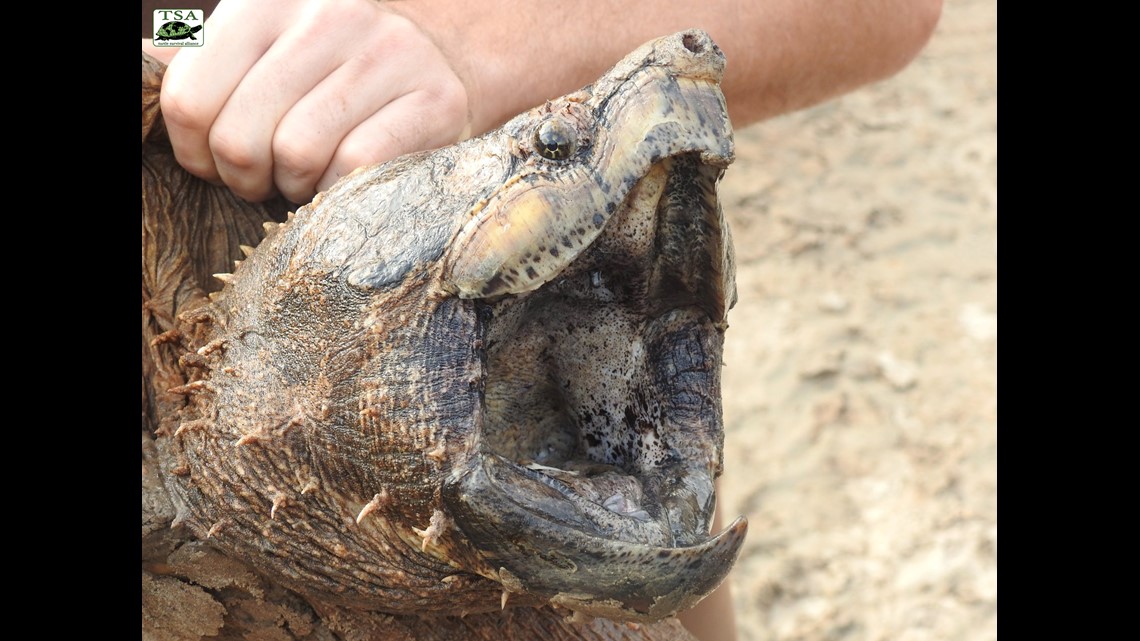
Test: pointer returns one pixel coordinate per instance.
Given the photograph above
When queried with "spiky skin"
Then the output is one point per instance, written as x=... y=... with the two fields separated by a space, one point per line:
x=281 y=464
x=307 y=415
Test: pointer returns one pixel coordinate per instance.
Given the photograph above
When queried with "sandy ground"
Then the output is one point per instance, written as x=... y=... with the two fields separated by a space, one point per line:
x=860 y=387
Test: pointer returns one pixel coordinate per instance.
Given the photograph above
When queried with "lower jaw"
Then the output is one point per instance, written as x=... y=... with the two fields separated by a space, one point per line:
x=543 y=544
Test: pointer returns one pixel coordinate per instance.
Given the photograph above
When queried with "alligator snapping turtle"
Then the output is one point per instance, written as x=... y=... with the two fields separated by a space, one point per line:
x=481 y=375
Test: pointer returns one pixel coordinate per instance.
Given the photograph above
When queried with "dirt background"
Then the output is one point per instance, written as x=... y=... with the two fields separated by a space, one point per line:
x=860 y=386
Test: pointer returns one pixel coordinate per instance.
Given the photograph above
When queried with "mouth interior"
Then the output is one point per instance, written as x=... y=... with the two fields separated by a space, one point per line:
x=602 y=386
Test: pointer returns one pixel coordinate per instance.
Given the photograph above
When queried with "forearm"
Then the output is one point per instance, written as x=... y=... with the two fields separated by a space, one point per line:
x=782 y=54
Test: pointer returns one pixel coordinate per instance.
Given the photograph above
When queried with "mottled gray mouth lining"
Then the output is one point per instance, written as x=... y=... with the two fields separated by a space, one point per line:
x=570 y=399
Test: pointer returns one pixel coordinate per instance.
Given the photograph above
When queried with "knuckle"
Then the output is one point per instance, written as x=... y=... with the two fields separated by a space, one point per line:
x=355 y=152
x=443 y=109
x=232 y=148
x=455 y=101
x=395 y=38
x=451 y=96
x=294 y=154
x=183 y=109
x=398 y=31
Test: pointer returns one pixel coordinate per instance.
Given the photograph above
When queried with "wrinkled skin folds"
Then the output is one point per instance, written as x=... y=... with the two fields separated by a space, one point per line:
x=482 y=375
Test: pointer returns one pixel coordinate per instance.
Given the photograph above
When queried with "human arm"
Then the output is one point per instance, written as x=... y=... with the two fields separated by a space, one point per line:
x=783 y=55
x=294 y=98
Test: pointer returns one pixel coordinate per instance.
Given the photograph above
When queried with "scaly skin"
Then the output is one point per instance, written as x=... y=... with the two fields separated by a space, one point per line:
x=324 y=419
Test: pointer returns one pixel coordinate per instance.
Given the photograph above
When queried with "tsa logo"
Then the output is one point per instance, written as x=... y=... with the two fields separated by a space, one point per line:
x=178 y=28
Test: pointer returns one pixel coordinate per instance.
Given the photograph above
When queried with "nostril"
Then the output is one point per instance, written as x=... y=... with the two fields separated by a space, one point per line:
x=692 y=43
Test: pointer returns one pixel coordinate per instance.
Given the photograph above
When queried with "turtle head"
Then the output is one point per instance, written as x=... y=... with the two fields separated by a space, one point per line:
x=602 y=272
x=490 y=367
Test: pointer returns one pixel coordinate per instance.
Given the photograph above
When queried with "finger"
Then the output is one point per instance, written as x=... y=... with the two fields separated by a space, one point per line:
x=309 y=135
x=414 y=122
x=199 y=81
x=241 y=138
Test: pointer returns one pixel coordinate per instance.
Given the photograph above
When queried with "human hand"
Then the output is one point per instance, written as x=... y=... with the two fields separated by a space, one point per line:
x=291 y=96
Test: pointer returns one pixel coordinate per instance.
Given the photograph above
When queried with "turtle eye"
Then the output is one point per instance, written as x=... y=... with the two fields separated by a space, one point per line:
x=555 y=140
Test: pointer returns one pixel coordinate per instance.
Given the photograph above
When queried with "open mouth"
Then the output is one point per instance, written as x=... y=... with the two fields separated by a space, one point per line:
x=549 y=321
x=592 y=484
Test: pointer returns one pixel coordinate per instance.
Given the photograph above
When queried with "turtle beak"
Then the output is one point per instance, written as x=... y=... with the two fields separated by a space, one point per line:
x=661 y=102
x=592 y=483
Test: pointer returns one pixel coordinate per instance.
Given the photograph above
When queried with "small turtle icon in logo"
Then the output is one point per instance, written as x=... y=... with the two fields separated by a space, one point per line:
x=175 y=30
